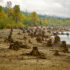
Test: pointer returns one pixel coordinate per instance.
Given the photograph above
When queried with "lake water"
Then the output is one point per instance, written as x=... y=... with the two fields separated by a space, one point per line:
x=64 y=37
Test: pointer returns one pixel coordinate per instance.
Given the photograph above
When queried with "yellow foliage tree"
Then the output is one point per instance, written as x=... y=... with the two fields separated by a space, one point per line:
x=2 y=14
x=11 y=13
x=44 y=22
x=17 y=14
x=34 y=18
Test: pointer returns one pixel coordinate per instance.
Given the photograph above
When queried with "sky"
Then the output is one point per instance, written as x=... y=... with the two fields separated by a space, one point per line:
x=45 y=7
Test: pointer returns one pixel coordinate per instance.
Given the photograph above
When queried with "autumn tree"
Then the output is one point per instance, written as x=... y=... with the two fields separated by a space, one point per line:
x=2 y=14
x=11 y=13
x=34 y=18
x=8 y=7
x=17 y=14
x=44 y=22
x=9 y=4
x=0 y=8
x=27 y=20
x=9 y=10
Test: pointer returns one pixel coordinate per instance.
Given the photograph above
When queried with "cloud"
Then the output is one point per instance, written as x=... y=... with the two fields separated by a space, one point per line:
x=48 y=7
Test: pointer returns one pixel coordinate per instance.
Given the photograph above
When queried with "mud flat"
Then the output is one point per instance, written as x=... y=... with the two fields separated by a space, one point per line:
x=15 y=60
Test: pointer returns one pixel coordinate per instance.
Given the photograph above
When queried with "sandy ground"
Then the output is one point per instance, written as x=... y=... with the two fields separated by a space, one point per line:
x=14 y=60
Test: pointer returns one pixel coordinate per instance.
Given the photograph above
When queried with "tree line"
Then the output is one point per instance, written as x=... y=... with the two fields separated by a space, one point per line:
x=13 y=17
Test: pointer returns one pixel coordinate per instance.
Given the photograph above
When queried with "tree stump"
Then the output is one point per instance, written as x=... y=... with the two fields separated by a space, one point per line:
x=49 y=42
x=25 y=46
x=67 y=34
x=62 y=33
x=36 y=53
x=57 y=39
x=30 y=41
x=64 y=46
x=10 y=36
x=39 y=39
x=15 y=45
x=54 y=34
x=56 y=53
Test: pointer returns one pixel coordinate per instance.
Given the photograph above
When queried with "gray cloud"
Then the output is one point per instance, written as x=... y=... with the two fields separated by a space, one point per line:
x=48 y=7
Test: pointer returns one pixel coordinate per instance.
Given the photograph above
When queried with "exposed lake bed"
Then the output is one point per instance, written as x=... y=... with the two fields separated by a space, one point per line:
x=12 y=59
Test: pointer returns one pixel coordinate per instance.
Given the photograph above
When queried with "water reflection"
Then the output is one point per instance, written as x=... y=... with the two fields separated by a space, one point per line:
x=64 y=37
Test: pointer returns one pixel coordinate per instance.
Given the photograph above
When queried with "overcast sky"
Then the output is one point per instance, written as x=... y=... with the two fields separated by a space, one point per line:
x=48 y=7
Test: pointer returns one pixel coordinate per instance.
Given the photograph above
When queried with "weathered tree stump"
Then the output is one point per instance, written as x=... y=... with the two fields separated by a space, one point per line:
x=64 y=46
x=57 y=39
x=62 y=33
x=15 y=45
x=36 y=53
x=25 y=46
x=24 y=37
x=54 y=34
x=39 y=39
x=10 y=36
x=30 y=41
x=56 y=53
x=67 y=34
x=32 y=35
x=19 y=33
x=49 y=42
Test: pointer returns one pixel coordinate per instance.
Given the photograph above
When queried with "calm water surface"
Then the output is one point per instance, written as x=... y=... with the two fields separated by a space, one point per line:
x=64 y=37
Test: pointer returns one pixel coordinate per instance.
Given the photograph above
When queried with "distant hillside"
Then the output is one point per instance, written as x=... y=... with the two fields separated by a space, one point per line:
x=51 y=20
